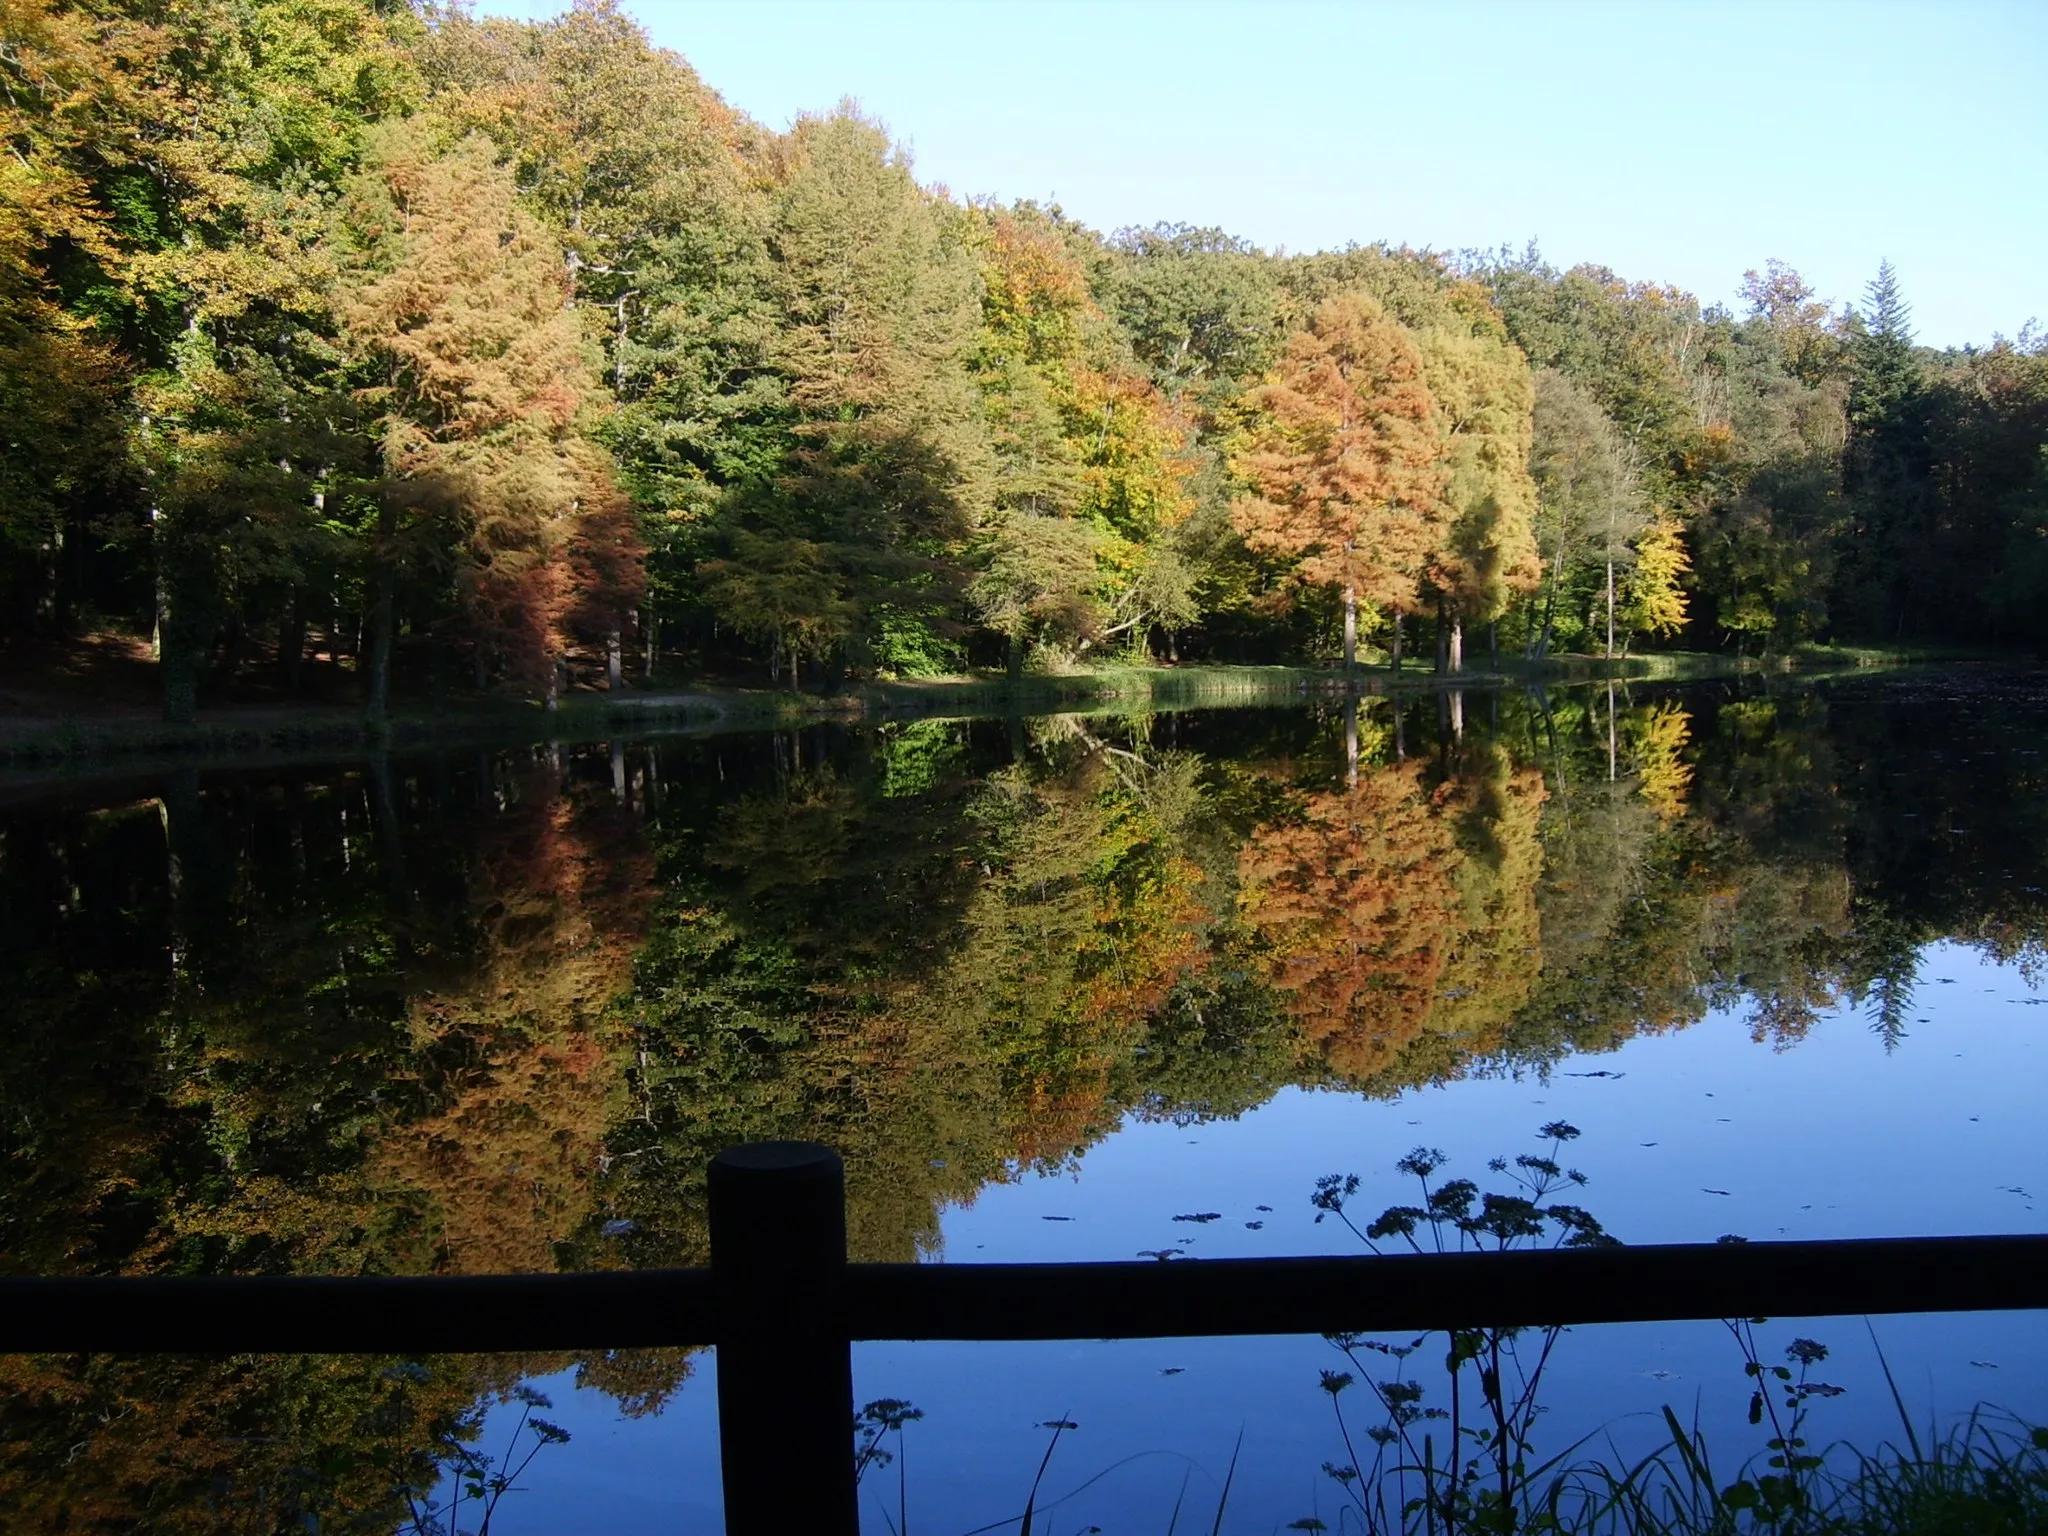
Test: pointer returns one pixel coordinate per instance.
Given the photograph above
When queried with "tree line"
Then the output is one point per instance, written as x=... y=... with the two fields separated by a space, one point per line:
x=360 y=344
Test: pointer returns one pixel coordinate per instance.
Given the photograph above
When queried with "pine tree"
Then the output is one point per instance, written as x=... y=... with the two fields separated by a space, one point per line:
x=1886 y=371
x=1885 y=472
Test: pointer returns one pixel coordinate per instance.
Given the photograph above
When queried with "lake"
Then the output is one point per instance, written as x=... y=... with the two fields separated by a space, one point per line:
x=1066 y=987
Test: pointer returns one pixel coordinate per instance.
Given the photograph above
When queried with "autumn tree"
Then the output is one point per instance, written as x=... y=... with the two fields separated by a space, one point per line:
x=74 y=104
x=657 y=192
x=476 y=378
x=1484 y=399
x=1654 y=601
x=1353 y=895
x=1343 y=461
x=1091 y=460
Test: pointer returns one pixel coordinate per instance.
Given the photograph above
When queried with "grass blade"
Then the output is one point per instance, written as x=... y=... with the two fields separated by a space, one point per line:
x=1898 y=1401
x=1223 y=1499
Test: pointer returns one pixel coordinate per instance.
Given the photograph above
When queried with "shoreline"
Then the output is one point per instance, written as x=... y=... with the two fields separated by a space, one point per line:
x=45 y=748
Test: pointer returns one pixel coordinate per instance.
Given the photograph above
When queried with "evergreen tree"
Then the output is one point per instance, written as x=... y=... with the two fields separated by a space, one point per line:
x=1885 y=474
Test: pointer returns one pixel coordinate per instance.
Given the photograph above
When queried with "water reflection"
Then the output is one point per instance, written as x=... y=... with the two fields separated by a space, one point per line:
x=495 y=1013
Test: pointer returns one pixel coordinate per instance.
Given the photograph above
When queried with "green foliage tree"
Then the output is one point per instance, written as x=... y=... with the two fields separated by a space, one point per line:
x=879 y=295
x=835 y=420
x=1485 y=403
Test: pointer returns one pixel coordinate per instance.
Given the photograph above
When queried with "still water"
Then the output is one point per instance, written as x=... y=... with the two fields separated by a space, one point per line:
x=1057 y=988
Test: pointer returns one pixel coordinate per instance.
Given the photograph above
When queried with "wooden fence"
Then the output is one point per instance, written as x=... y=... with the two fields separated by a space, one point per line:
x=782 y=1306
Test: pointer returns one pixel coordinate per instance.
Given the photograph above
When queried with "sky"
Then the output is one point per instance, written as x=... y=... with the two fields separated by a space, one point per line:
x=1675 y=142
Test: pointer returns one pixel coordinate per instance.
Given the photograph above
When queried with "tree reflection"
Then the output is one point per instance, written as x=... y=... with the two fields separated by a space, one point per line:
x=496 y=1014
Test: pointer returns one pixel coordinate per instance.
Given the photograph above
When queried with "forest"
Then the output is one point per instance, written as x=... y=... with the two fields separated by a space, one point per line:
x=359 y=346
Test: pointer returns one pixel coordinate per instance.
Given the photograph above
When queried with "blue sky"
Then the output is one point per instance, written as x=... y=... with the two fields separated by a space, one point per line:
x=1673 y=141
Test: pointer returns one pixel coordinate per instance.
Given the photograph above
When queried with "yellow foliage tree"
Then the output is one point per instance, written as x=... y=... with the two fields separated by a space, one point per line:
x=1654 y=602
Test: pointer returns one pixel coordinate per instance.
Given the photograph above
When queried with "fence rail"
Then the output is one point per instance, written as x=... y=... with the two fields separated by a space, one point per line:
x=782 y=1306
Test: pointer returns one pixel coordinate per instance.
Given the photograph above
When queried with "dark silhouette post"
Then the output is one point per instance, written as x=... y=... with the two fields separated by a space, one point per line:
x=785 y=1367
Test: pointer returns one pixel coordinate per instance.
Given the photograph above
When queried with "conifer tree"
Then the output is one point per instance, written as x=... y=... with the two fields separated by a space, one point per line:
x=1885 y=470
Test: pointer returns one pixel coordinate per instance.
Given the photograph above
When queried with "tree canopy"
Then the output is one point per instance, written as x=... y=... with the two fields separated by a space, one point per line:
x=729 y=403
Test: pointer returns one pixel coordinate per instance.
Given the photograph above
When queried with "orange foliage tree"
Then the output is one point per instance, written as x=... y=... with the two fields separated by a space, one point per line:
x=1400 y=921
x=478 y=376
x=1343 y=461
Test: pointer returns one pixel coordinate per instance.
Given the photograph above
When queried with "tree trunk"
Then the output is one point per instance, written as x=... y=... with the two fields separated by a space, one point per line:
x=1610 y=608
x=1457 y=714
x=186 y=636
x=1351 y=630
x=1493 y=645
x=1351 y=740
x=1015 y=660
x=383 y=615
x=1395 y=648
x=184 y=657
x=556 y=668
x=156 y=544
x=291 y=640
x=647 y=628
x=614 y=662
x=1457 y=643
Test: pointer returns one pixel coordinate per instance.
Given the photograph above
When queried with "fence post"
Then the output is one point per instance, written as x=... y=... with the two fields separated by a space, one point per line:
x=785 y=1368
